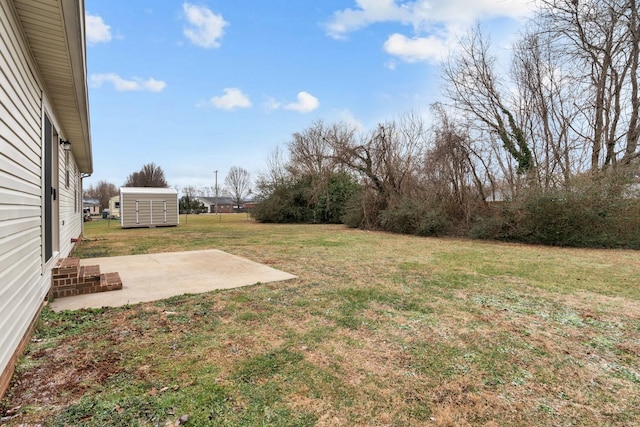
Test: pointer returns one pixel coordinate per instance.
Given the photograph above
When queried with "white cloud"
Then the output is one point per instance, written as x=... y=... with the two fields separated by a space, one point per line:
x=350 y=119
x=272 y=104
x=391 y=65
x=96 y=30
x=422 y=14
x=416 y=49
x=233 y=98
x=435 y=23
x=368 y=12
x=122 y=85
x=205 y=27
x=305 y=103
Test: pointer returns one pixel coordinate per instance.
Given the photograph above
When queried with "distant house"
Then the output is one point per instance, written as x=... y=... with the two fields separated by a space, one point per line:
x=218 y=204
x=91 y=206
x=248 y=205
x=46 y=150
x=114 y=206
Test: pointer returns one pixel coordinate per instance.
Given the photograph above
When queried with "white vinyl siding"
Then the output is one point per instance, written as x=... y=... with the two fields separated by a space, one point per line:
x=24 y=278
x=22 y=283
x=70 y=217
x=42 y=81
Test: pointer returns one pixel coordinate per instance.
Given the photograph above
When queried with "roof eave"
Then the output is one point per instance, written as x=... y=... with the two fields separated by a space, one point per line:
x=73 y=13
x=62 y=67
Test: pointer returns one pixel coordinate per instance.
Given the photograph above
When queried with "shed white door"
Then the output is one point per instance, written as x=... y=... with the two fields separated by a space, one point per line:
x=150 y=212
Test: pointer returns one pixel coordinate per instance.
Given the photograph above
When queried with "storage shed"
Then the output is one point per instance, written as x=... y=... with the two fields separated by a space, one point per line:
x=148 y=207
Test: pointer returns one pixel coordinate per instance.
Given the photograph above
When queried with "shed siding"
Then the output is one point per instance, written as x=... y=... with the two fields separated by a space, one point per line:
x=24 y=279
x=148 y=209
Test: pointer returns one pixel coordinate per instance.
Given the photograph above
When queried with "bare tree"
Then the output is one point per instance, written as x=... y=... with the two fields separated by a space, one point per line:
x=600 y=42
x=454 y=173
x=387 y=161
x=238 y=183
x=311 y=154
x=102 y=191
x=547 y=99
x=149 y=176
x=386 y=157
x=190 y=191
x=310 y=151
x=473 y=87
x=274 y=175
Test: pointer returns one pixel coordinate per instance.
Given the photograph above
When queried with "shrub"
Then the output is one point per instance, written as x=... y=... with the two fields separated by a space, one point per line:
x=363 y=209
x=305 y=200
x=332 y=203
x=287 y=203
x=592 y=213
x=489 y=227
x=353 y=212
x=415 y=217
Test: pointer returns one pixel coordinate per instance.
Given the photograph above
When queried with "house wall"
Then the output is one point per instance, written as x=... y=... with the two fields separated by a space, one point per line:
x=93 y=209
x=224 y=204
x=222 y=208
x=25 y=277
x=148 y=209
x=114 y=206
x=70 y=202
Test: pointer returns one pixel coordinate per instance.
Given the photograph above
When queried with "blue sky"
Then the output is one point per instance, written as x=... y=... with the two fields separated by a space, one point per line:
x=197 y=86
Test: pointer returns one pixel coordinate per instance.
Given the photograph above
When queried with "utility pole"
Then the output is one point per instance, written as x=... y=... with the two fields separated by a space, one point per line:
x=216 y=191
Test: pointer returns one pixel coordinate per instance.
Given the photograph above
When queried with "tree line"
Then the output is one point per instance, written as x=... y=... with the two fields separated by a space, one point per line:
x=546 y=152
x=237 y=186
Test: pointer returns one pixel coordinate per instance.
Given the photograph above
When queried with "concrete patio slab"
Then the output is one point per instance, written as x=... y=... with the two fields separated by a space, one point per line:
x=153 y=277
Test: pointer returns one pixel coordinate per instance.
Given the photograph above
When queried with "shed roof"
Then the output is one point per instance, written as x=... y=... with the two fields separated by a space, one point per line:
x=148 y=190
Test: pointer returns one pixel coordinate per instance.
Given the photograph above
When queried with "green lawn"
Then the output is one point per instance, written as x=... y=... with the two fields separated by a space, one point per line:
x=378 y=329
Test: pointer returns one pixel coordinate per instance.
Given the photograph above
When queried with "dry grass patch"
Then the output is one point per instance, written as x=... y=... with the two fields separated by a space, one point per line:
x=378 y=329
